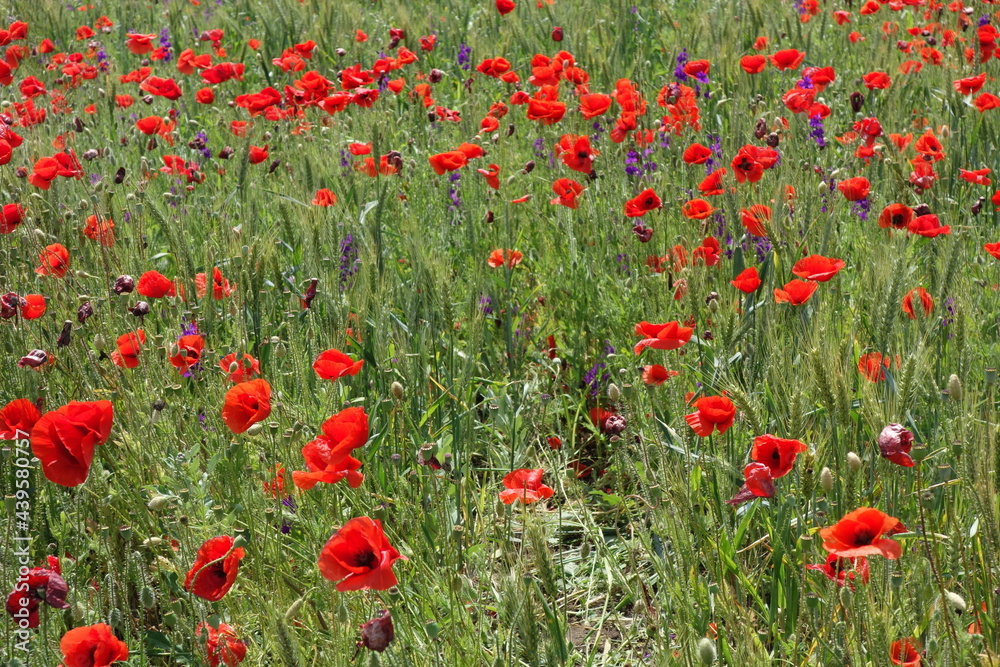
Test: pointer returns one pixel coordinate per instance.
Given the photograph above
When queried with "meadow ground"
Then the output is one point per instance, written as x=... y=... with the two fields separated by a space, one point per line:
x=573 y=333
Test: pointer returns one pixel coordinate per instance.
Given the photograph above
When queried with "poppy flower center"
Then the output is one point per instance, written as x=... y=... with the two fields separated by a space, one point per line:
x=862 y=538
x=583 y=155
x=365 y=559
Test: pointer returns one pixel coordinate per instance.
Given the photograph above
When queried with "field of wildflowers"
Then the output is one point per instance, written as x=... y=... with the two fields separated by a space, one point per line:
x=496 y=332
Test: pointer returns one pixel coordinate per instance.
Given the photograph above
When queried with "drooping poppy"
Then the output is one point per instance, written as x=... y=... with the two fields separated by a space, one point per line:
x=666 y=336
x=246 y=404
x=215 y=568
x=712 y=413
x=861 y=533
x=92 y=646
x=524 y=485
x=359 y=557
x=64 y=439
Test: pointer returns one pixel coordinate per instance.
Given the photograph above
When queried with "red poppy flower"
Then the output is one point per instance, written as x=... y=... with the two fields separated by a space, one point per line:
x=854 y=189
x=189 y=352
x=778 y=454
x=508 y=258
x=877 y=80
x=101 y=230
x=575 y=152
x=17 y=418
x=860 y=533
x=10 y=217
x=160 y=87
x=155 y=285
x=642 y=204
x=993 y=249
x=928 y=226
x=713 y=413
x=567 y=191
x=905 y=652
x=697 y=209
x=448 y=161
x=667 y=336
x=32 y=306
x=712 y=184
x=593 y=105
x=139 y=44
x=64 y=440
x=787 y=59
x=986 y=101
x=895 y=215
x=258 y=154
x=492 y=176
x=753 y=64
x=246 y=404
x=818 y=268
x=360 y=557
x=750 y=162
x=92 y=646
x=247 y=369
x=37 y=585
x=969 y=85
x=215 y=568
x=925 y=300
x=129 y=347
x=505 y=6
x=696 y=154
x=221 y=287
x=795 y=292
x=222 y=646
x=524 y=485
x=976 y=177
x=328 y=456
x=324 y=197
x=895 y=443
x=54 y=261
x=748 y=281
x=835 y=570
x=334 y=364
x=929 y=147
x=655 y=374
x=709 y=252
x=873 y=365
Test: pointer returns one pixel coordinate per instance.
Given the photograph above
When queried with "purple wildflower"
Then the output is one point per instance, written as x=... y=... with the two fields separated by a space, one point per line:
x=464 y=57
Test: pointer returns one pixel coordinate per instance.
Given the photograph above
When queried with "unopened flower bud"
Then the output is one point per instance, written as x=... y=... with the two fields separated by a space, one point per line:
x=255 y=429
x=853 y=461
x=706 y=651
x=956 y=601
x=158 y=502
x=614 y=393
x=955 y=388
x=396 y=389
x=377 y=634
x=826 y=479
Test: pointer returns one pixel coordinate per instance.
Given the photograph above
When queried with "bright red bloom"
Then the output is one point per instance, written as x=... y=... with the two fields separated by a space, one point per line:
x=92 y=646
x=247 y=369
x=860 y=533
x=161 y=87
x=898 y=216
x=969 y=85
x=667 y=336
x=709 y=252
x=905 y=652
x=787 y=59
x=567 y=191
x=64 y=440
x=54 y=261
x=872 y=365
x=334 y=364
x=818 y=268
x=189 y=349
x=324 y=197
x=360 y=557
x=877 y=80
x=642 y=204
x=696 y=154
x=854 y=189
x=986 y=101
x=448 y=161
x=222 y=646
x=697 y=209
x=505 y=6
x=328 y=457
x=32 y=306
x=17 y=418
x=795 y=292
x=139 y=44
x=928 y=226
x=525 y=485
x=713 y=413
x=925 y=300
x=753 y=64
x=492 y=176
x=993 y=249
x=246 y=404
x=655 y=374
x=976 y=176
x=258 y=154
x=576 y=153
x=155 y=285
x=754 y=218
x=508 y=258
x=748 y=281
x=129 y=347
x=834 y=569
x=594 y=104
x=778 y=454
x=10 y=217
x=750 y=162
x=712 y=184
x=101 y=230
x=215 y=568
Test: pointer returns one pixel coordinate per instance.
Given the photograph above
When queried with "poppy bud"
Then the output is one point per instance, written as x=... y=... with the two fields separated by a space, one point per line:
x=431 y=117
x=760 y=130
x=955 y=388
x=123 y=284
x=158 y=502
x=614 y=393
x=274 y=165
x=853 y=461
x=226 y=153
x=706 y=651
x=713 y=305
x=84 y=311
x=91 y=154
x=435 y=76
x=33 y=359
x=280 y=350
x=120 y=176
x=956 y=601
x=396 y=389
x=341 y=52
x=857 y=101
x=489 y=216
x=21 y=172
x=826 y=479
x=978 y=206
x=99 y=342
x=773 y=140
x=557 y=34
x=64 y=335
x=140 y=309
x=529 y=166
